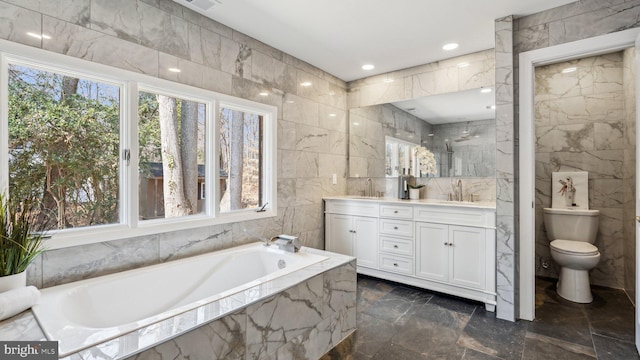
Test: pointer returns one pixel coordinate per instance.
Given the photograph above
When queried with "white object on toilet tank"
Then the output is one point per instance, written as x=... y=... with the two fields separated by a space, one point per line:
x=566 y=199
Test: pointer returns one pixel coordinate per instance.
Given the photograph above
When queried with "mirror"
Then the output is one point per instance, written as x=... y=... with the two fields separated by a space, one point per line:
x=459 y=128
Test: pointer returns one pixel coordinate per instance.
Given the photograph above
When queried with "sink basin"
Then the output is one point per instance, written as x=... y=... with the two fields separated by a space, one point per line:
x=458 y=203
x=358 y=197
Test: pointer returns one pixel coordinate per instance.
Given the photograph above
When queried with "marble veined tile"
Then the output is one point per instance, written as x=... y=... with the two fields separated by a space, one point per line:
x=80 y=42
x=75 y=11
x=16 y=22
x=274 y=322
x=141 y=23
x=310 y=138
x=568 y=138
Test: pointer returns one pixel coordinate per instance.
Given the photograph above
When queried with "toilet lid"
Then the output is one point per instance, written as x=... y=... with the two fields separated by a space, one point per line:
x=574 y=247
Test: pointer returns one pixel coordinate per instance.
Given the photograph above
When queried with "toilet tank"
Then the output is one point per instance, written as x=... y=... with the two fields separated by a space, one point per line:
x=571 y=224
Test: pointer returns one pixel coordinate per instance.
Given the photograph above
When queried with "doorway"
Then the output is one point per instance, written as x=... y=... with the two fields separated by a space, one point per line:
x=528 y=61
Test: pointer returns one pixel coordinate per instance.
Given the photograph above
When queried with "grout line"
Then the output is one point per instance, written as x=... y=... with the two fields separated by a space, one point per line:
x=573 y=347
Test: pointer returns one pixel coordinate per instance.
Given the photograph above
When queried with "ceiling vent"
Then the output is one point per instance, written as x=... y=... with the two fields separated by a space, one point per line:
x=201 y=4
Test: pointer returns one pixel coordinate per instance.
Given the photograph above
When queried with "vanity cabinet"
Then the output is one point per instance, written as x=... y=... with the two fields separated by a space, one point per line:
x=451 y=254
x=352 y=234
x=441 y=247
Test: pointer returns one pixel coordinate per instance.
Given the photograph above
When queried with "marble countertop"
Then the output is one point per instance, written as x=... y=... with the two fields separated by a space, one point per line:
x=24 y=326
x=489 y=205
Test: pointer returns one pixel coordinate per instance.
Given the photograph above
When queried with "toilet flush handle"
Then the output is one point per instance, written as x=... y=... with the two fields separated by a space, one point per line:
x=638 y=218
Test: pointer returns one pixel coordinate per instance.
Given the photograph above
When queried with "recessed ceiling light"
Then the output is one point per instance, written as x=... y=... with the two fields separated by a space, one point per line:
x=450 y=46
x=356 y=123
x=264 y=93
x=568 y=70
x=388 y=80
x=332 y=115
x=485 y=90
x=175 y=70
x=463 y=64
x=306 y=84
x=368 y=67
x=290 y=101
x=430 y=134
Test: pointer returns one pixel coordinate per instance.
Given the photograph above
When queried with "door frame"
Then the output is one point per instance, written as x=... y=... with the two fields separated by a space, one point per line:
x=528 y=61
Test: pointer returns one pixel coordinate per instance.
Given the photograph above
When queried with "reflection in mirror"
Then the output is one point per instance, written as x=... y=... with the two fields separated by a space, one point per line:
x=399 y=157
x=459 y=128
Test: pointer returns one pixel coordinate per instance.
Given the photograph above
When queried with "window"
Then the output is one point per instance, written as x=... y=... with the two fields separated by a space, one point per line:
x=64 y=141
x=171 y=140
x=241 y=169
x=112 y=154
x=399 y=158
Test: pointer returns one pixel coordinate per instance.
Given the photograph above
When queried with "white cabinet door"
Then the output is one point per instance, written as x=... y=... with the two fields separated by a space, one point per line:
x=341 y=234
x=366 y=238
x=432 y=251
x=467 y=256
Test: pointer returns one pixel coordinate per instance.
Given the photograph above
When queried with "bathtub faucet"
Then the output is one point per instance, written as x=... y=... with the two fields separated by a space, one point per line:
x=288 y=243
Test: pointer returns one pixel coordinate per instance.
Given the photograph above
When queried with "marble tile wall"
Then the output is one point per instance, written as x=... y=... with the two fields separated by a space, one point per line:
x=574 y=21
x=429 y=79
x=303 y=322
x=506 y=172
x=580 y=127
x=148 y=36
x=628 y=173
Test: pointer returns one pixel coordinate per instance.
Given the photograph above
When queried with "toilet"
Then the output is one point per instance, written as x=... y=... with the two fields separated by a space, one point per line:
x=572 y=233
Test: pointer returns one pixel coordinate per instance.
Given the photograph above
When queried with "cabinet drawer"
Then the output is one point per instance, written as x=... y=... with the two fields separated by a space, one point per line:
x=362 y=208
x=455 y=216
x=396 y=211
x=396 y=245
x=396 y=264
x=396 y=227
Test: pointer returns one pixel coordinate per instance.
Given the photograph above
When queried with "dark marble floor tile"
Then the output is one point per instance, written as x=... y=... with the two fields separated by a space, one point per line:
x=562 y=320
x=454 y=303
x=611 y=314
x=370 y=290
x=371 y=334
x=536 y=349
x=489 y=335
x=613 y=349
x=392 y=306
x=429 y=329
x=419 y=296
x=470 y=354
x=395 y=352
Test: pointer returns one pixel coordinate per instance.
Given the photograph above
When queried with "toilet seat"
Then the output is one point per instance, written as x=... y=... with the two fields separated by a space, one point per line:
x=571 y=247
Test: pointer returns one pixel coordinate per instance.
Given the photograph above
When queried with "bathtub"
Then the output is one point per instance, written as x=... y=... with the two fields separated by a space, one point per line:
x=84 y=313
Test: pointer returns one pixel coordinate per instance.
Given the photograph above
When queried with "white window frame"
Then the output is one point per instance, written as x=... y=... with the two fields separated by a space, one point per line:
x=131 y=83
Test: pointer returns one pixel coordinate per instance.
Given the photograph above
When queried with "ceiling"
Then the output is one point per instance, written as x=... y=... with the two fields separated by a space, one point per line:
x=339 y=36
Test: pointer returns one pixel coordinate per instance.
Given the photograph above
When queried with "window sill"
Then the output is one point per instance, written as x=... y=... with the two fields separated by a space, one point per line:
x=100 y=234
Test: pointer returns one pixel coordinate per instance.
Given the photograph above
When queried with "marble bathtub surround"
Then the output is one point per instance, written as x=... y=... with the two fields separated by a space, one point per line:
x=262 y=321
x=580 y=126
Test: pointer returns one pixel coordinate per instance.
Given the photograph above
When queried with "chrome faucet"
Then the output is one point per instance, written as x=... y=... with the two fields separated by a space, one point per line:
x=369 y=190
x=459 y=190
x=288 y=243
